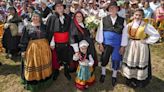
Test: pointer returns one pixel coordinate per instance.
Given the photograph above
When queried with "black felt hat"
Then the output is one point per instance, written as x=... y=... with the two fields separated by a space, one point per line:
x=113 y=4
x=57 y=2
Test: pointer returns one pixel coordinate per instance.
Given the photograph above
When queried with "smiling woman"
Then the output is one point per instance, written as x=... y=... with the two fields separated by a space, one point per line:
x=37 y=66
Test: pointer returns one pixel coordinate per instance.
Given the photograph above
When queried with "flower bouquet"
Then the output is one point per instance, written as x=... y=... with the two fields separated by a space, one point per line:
x=92 y=23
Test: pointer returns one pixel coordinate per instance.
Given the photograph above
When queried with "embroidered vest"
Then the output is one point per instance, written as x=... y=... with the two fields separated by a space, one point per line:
x=137 y=34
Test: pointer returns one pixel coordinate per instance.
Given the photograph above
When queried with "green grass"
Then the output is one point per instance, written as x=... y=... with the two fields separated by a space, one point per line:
x=10 y=77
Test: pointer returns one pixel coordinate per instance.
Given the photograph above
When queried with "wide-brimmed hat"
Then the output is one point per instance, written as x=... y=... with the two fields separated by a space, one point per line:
x=113 y=4
x=57 y=2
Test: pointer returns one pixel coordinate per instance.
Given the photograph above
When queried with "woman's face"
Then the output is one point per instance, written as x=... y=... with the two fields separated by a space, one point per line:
x=36 y=18
x=79 y=17
x=138 y=15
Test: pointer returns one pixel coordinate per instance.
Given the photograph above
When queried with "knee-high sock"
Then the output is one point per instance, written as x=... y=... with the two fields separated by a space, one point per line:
x=103 y=70
x=114 y=74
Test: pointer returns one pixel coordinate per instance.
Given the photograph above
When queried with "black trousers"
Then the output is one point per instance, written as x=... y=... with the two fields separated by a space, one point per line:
x=63 y=52
x=106 y=55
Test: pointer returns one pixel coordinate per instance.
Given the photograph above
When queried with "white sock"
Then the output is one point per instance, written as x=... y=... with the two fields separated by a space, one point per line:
x=103 y=70
x=114 y=73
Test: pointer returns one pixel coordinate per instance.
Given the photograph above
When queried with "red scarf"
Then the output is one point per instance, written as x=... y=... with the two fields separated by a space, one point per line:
x=78 y=26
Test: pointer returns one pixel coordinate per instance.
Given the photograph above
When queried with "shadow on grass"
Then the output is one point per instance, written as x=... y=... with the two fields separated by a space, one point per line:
x=63 y=85
x=6 y=69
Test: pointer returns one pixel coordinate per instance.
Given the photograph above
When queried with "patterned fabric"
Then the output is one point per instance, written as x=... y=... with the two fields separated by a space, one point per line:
x=85 y=77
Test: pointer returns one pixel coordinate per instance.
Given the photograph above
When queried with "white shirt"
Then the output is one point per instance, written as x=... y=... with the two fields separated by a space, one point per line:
x=61 y=19
x=102 y=13
x=122 y=13
x=99 y=35
x=154 y=6
x=149 y=29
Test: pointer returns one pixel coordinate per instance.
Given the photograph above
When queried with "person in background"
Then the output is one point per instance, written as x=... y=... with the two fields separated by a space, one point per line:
x=37 y=66
x=75 y=6
x=95 y=10
x=160 y=19
x=122 y=12
x=10 y=38
x=133 y=7
x=46 y=11
x=136 y=38
x=67 y=11
x=142 y=2
x=154 y=4
x=84 y=9
x=148 y=12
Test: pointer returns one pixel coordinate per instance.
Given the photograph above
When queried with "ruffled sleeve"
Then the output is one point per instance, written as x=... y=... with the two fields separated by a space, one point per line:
x=124 y=41
x=153 y=34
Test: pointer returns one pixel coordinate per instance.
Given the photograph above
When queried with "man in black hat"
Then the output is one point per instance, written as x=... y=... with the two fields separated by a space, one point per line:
x=111 y=40
x=58 y=36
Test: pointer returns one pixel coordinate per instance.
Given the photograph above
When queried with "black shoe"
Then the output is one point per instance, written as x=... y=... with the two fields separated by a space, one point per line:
x=55 y=74
x=0 y=63
x=68 y=76
x=102 y=78
x=114 y=80
x=66 y=72
x=131 y=84
x=8 y=56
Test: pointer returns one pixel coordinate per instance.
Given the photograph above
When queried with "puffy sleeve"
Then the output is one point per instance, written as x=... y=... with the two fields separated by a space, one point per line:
x=99 y=35
x=24 y=40
x=153 y=34
x=50 y=26
x=124 y=41
x=91 y=61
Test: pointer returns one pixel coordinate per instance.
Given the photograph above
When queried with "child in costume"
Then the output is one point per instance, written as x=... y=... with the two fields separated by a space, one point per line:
x=85 y=75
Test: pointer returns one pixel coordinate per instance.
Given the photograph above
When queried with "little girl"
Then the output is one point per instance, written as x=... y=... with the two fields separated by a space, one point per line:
x=85 y=75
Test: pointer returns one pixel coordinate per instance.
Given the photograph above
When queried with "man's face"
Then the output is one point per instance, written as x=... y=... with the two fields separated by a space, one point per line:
x=113 y=9
x=59 y=8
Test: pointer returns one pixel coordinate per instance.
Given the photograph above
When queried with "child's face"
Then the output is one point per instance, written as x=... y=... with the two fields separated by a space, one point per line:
x=83 y=49
x=138 y=15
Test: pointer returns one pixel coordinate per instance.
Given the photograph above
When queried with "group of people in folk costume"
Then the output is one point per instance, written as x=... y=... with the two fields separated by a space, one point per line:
x=51 y=39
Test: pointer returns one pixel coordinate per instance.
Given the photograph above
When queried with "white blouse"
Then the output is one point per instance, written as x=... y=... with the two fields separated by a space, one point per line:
x=149 y=29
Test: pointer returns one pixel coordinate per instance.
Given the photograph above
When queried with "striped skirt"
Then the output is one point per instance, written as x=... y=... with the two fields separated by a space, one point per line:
x=85 y=77
x=136 y=61
x=37 y=65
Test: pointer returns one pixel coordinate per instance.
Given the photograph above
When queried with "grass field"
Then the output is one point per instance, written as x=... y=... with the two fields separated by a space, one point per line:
x=10 y=77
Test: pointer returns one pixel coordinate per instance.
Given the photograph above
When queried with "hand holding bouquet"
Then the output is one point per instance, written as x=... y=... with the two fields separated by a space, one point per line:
x=92 y=23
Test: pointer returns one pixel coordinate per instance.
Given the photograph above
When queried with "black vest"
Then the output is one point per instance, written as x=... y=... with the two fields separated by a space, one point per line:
x=117 y=27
